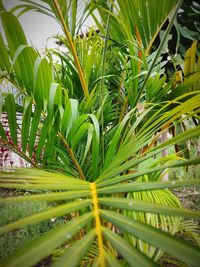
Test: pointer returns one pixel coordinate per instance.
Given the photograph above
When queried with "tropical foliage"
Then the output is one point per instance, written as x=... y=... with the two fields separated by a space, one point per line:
x=89 y=124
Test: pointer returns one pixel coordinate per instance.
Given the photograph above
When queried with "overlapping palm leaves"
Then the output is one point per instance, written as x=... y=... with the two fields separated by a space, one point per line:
x=65 y=145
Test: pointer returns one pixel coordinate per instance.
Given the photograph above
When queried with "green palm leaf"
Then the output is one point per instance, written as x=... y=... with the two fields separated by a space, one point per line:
x=44 y=245
x=156 y=237
x=127 y=251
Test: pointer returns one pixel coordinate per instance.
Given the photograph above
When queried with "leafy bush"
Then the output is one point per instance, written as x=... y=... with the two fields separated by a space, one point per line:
x=11 y=212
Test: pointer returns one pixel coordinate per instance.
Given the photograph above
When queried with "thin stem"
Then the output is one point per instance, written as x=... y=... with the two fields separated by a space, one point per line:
x=102 y=80
x=154 y=37
x=73 y=50
x=72 y=155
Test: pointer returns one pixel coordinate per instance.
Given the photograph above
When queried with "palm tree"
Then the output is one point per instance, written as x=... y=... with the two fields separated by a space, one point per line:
x=89 y=126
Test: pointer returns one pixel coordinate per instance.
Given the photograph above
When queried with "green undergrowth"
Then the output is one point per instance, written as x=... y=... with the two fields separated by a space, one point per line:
x=10 y=212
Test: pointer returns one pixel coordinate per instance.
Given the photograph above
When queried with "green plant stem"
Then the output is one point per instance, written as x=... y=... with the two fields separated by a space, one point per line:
x=102 y=75
x=158 y=52
x=154 y=37
x=72 y=155
x=73 y=50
